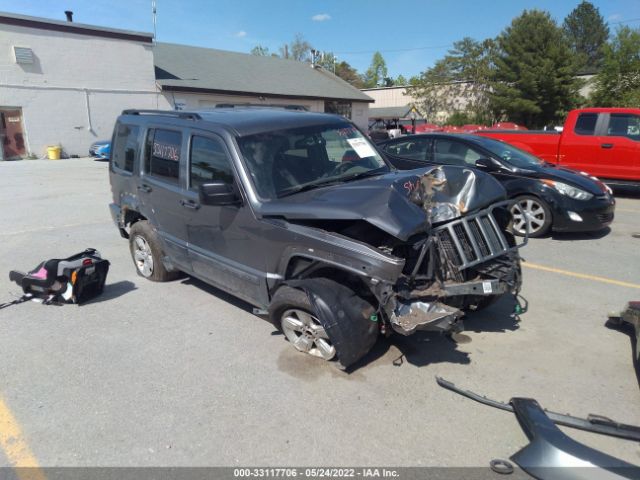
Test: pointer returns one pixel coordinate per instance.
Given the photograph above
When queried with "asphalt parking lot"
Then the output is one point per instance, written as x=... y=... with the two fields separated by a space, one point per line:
x=180 y=374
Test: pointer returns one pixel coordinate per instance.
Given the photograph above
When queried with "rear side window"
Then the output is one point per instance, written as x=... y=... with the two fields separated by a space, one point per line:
x=163 y=154
x=414 y=148
x=624 y=125
x=126 y=147
x=450 y=152
x=586 y=124
x=209 y=162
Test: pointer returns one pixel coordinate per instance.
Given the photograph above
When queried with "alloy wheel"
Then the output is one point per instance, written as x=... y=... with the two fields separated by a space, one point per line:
x=142 y=256
x=306 y=334
x=528 y=211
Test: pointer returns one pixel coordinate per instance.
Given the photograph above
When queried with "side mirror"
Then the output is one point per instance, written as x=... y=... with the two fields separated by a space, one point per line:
x=486 y=164
x=218 y=193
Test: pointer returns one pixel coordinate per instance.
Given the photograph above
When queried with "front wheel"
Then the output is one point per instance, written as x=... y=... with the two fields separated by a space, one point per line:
x=535 y=212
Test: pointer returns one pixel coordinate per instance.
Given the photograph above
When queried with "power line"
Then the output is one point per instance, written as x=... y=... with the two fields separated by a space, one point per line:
x=625 y=21
x=394 y=50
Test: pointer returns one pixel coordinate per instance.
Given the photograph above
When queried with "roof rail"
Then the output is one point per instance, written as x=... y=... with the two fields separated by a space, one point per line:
x=262 y=105
x=169 y=113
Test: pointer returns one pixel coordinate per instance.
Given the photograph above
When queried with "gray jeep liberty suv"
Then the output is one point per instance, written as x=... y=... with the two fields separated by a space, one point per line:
x=300 y=215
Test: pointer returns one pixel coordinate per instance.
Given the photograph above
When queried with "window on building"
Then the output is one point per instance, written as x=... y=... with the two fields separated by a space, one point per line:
x=163 y=154
x=337 y=107
x=586 y=124
x=624 y=125
x=208 y=162
x=126 y=147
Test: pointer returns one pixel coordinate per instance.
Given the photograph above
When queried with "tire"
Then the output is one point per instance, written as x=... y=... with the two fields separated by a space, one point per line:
x=147 y=253
x=539 y=213
x=338 y=319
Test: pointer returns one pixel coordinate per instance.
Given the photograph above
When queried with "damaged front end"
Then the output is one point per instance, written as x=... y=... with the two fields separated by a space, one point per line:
x=467 y=258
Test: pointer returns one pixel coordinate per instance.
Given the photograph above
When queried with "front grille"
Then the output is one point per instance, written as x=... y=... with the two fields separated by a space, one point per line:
x=471 y=240
x=605 y=217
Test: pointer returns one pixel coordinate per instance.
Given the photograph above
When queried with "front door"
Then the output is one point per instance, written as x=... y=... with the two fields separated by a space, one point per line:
x=11 y=134
x=224 y=240
x=621 y=147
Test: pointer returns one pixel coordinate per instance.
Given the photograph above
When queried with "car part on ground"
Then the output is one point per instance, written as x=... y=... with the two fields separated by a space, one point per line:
x=629 y=316
x=554 y=455
x=266 y=201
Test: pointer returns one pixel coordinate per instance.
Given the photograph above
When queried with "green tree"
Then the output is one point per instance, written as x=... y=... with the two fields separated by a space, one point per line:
x=299 y=49
x=458 y=82
x=617 y=83
x=349 y=74
x=260 y=51
x=534 y=80
x=401 y=81
x=376 y=75
x=587 y=34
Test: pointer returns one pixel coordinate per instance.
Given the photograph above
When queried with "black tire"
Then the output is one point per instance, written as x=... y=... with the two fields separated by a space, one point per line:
x=345 y=317
x=157 y=273
x=542 y=213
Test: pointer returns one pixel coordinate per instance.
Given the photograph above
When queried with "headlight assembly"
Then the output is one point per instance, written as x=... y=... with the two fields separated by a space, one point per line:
x=568 y=190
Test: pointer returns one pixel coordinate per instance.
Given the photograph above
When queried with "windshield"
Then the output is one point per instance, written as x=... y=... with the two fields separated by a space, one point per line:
x=287 y=161
x=510 y=154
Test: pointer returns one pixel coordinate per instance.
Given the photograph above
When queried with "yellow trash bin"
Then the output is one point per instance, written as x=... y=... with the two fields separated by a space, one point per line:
x=54 y=152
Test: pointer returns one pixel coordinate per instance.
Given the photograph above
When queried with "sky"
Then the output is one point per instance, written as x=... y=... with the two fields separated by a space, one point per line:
x=411 y=35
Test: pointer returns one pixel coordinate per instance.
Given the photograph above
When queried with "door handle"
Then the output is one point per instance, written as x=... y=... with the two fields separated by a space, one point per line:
x=145 y=188
x=190 y=204
x=607 y=145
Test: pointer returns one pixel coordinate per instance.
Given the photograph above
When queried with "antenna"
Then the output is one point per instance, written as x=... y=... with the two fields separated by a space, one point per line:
x=153 y=13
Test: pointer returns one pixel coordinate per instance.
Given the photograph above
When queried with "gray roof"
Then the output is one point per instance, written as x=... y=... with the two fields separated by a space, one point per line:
x=185 y=68
x=392 y=112
x=72 y=27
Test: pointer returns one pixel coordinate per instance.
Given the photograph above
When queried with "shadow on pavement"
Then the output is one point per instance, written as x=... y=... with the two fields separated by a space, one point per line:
x=572 y=236
x=627 y=329
x=113 y=290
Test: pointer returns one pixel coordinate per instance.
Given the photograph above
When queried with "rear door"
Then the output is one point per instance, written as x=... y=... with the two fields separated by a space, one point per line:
x=621 y=146
x=162 y=187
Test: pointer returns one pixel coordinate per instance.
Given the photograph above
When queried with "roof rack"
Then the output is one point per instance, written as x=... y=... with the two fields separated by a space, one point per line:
x=168 y=113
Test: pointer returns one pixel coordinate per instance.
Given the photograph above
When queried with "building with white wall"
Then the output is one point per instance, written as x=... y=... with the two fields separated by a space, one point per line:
x=64 y=83
x=195 y=78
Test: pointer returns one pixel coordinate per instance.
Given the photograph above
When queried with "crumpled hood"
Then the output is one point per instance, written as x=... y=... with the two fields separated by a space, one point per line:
x=399 y=203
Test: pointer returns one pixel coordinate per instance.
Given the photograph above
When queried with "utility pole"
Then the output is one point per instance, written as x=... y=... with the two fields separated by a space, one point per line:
x=153 y=14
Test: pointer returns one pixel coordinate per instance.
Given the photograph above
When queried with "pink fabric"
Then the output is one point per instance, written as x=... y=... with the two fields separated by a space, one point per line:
x=42 y=274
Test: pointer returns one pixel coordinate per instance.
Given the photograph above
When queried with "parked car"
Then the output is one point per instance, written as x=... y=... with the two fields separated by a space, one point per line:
x=298 y=214
x=547 y=196
x=604 y=142
x=100 y=150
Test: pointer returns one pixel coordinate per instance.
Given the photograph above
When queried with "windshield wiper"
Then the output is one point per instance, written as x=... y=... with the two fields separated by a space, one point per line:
x=309 y=186
x=369 y=173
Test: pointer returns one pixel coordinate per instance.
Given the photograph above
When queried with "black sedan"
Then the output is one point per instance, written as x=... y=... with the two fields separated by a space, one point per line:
x=548 y=196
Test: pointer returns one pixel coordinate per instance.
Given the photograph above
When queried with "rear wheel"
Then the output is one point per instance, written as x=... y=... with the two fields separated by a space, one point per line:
x=531 y=210
x=147 y=254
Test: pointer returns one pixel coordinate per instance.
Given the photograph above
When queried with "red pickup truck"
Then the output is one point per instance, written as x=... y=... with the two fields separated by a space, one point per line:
x=604 y=142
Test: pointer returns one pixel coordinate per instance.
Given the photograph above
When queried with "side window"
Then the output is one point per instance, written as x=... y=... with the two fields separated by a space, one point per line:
x=586 y=124
x=125 y=150
x=208 y=162
x=415 y=148
x=162 y=154
x=624 y=125
x=451 y=152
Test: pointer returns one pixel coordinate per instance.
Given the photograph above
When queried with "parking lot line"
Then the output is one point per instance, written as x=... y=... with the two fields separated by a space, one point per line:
x=585 y=276
x=42 y=229
x=15 y=447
